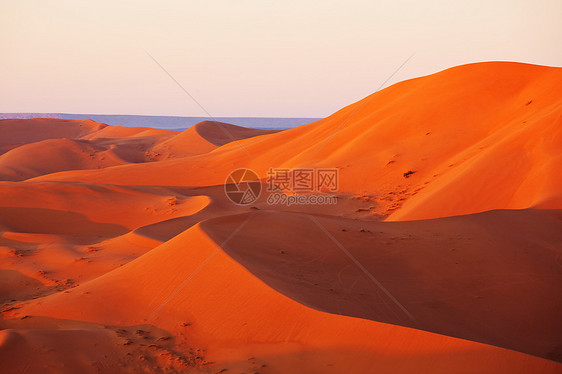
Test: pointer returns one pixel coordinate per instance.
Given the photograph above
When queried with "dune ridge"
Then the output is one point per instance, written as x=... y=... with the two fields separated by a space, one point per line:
x=205 y=137
x=121 y=253
x=63 y=145
x=479 y=125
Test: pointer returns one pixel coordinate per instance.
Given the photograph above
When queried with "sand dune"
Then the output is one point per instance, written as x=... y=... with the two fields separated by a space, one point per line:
x=484 y=123
x=120 y=132
x=129 y=207
x=120 y=251
x=467 y=276
x=225 y=305
x=86 y=145
x=53 y=145
x=53 y=155
x=131 y=144
x=15 y=132
x=204 y=137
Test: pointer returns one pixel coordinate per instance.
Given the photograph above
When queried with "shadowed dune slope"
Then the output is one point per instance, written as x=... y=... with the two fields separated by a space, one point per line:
x=204 y=137
x=233 y=315
x=487 y=277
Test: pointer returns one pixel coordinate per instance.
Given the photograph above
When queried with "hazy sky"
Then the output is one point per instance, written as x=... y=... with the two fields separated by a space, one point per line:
x=250 y=58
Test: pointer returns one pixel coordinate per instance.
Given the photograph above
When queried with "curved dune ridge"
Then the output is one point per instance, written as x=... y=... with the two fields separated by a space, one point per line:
x=53 y=155
x=120 y=251
x=15 y=132
x=61 y=145
x=204 y=137
x=477 y=137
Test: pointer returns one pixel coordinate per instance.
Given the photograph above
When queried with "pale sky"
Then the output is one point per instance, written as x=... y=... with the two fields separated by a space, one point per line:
x=250 y=58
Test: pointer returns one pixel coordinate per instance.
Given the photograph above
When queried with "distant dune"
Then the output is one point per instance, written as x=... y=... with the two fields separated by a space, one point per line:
x=169 y=122
x=61 y=145
x=204 y=137
x=15 y=132
x=120 y=251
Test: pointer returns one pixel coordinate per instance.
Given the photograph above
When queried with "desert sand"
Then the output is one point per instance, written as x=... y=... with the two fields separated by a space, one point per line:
x=121 y=253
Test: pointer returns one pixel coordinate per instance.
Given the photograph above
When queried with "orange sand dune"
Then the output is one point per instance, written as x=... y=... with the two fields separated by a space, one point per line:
x=79 y=145
x=63 y=234
x=232 y=314
x=131 y=144
x=468 y=276
x=57 y=145
x=204 y=137
x=120 y=132
x=129 y=207
x=53 y=155
x=120 y=252
x=484 y=136
x=15 y=132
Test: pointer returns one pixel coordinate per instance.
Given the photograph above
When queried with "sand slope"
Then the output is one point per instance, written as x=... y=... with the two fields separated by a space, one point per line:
x=225 y=306
x=57 y=146
x=53 y=155
x=15 y=132
x=484 y=277
x=475 y=134
x=120 y=252
x=204 y=137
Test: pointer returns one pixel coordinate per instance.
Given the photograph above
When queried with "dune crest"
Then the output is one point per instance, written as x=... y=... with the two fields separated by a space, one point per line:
x=64 y=145
x=121 y=252
x=204 y=137
x=473 y=133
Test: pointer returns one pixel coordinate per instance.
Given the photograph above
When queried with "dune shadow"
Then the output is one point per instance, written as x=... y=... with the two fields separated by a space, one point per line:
x=16 y=286
x=388 y=360
x=221 y=133
x=55 y=222
x=167 y=229
x=458 y=276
